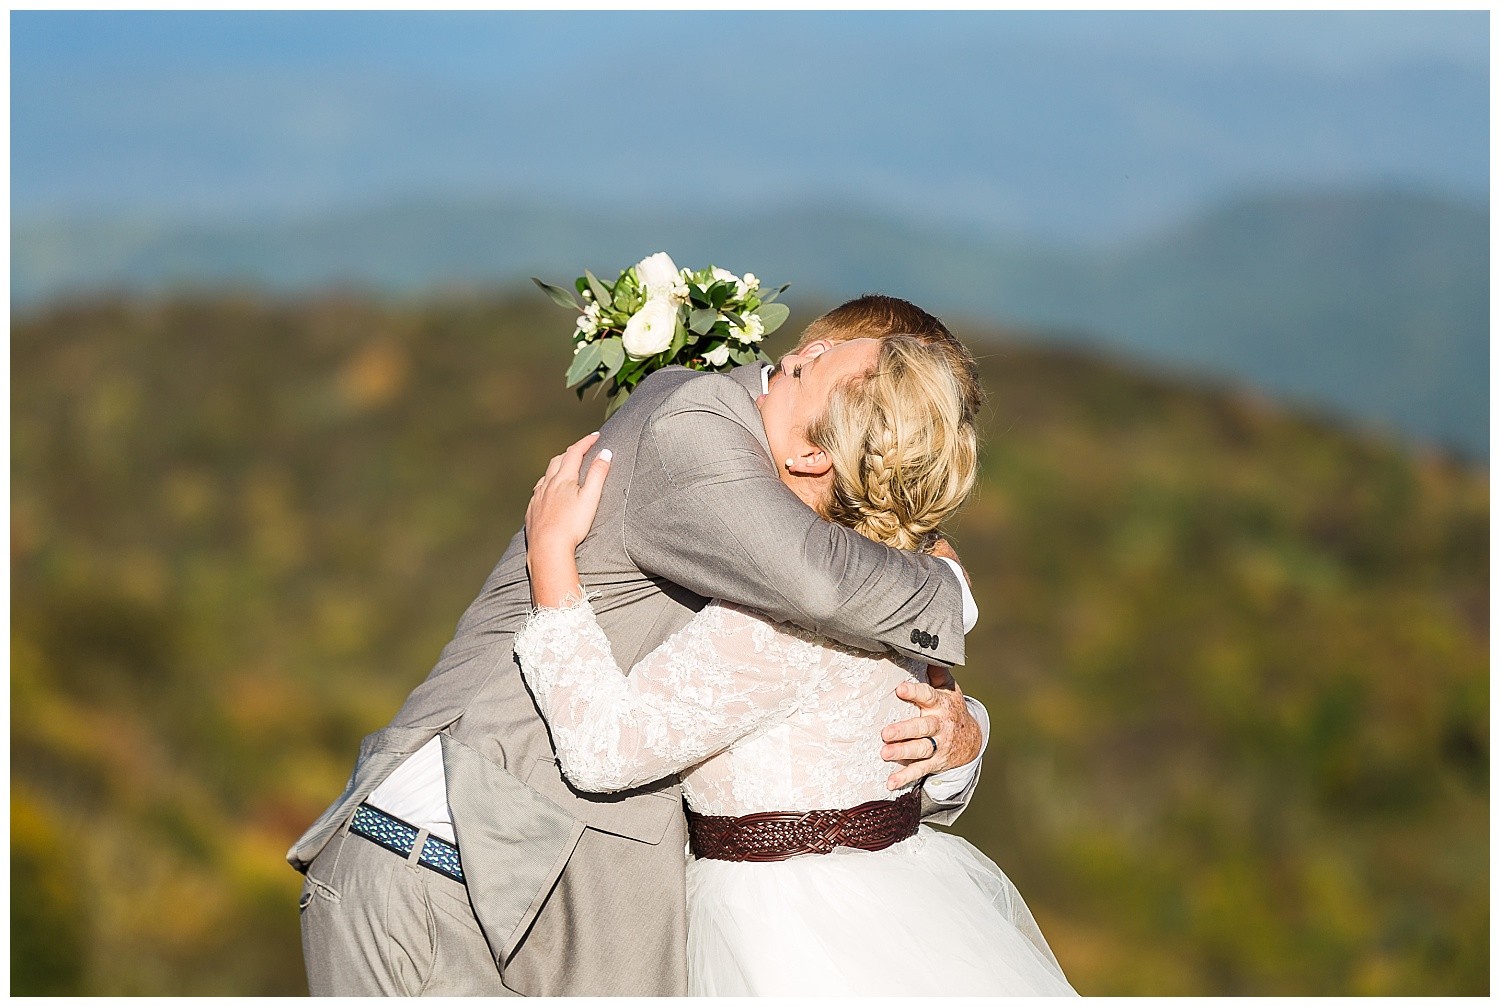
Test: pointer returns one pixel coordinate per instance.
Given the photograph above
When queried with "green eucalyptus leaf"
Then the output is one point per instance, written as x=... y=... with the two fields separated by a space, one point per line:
x=584 y=364
x=601 y=292
x=768 y=298
x=702 y=319
x=772 y=315
x=734 y=318
x=742 y=355
x=558 y=294
x=612 y=355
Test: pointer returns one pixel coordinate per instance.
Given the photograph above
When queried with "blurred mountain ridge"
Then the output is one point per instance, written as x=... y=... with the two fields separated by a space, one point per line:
x=1374 y=303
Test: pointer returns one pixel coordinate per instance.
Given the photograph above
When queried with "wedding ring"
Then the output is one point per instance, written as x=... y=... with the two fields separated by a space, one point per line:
x=934 y=745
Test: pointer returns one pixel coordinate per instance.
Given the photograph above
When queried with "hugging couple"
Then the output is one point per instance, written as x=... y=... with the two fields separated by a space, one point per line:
x=735 y=594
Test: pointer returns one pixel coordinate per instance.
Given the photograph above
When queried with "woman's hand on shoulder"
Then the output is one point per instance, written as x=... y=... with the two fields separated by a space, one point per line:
x=561 y=510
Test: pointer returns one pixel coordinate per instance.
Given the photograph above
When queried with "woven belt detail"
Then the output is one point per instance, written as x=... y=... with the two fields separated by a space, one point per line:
x=780 y=835
x=399 y=837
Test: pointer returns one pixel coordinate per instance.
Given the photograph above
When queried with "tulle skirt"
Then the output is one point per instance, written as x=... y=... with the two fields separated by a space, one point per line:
x=928 y=916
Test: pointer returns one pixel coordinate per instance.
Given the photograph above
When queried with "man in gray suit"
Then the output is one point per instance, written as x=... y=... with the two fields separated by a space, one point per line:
x=459 y=861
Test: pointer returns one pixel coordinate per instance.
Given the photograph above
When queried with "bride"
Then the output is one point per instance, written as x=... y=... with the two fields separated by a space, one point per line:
x=807 y=875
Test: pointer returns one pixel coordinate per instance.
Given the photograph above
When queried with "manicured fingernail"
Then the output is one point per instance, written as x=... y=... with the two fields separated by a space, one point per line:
x=606 y=455
x=594 y=434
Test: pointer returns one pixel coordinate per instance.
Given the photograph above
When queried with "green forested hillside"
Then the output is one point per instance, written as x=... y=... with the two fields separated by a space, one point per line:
x=1235 y=658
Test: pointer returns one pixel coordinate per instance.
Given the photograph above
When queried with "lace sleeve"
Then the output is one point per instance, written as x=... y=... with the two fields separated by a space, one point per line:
x=726 y=673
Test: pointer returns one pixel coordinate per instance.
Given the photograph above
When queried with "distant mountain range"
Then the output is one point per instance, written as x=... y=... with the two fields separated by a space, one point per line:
x=1374 y=304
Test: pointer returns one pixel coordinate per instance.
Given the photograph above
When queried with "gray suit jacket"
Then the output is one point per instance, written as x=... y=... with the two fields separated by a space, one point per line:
x=583 y=894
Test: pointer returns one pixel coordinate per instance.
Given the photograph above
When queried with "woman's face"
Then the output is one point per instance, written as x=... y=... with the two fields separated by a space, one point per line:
x=799 y=390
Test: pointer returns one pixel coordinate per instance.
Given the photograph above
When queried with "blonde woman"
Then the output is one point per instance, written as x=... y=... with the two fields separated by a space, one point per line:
x=801 y=858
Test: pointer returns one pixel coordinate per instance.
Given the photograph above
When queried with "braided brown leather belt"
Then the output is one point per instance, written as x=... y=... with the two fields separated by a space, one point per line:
x=781 y=835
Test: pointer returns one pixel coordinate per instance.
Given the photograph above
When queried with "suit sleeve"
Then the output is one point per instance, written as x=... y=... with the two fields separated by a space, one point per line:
x=706 y=510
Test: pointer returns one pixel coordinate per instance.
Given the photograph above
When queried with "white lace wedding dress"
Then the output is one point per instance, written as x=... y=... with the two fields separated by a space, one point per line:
x=762 y=716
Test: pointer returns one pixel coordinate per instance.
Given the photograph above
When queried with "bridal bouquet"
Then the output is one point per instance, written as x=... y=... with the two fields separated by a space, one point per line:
x=654 y=315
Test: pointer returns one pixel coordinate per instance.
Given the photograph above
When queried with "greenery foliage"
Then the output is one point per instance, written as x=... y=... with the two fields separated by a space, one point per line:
x=1235 y=657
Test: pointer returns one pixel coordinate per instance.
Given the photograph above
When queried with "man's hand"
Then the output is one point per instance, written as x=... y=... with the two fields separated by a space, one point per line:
x=944 y=550
x=945 y=719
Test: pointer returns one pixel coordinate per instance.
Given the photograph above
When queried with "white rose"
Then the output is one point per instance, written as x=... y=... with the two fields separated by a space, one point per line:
x=718 y=356
x=658 y=274
x=650 y=330
x=753 y=331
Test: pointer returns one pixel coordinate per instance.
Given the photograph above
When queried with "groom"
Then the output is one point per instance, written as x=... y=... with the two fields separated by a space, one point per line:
x=458 y=861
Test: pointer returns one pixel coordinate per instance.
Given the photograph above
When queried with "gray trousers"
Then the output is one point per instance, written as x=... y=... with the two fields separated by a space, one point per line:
x=376 y=924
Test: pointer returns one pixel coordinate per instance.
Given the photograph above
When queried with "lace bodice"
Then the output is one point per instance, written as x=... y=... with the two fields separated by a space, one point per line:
x=754 y=715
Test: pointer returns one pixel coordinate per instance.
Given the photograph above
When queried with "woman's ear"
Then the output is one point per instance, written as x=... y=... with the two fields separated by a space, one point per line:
x=814 y=463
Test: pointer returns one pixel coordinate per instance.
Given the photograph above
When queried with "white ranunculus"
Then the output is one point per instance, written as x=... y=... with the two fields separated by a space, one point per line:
x=754 y=330
x=650 y=330
x=658 y=274
x=718 y=356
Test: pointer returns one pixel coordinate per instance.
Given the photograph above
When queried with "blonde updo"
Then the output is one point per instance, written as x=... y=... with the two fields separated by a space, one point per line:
x=902 y=442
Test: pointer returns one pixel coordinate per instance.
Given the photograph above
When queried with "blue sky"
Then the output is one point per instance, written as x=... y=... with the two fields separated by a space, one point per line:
x=1065 y=126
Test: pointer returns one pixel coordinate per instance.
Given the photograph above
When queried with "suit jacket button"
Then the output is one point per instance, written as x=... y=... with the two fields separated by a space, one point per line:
x=916 y=637
x=926 y=640
x=934 y=641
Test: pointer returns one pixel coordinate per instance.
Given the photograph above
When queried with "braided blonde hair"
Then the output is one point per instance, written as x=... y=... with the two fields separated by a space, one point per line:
x=902 y=442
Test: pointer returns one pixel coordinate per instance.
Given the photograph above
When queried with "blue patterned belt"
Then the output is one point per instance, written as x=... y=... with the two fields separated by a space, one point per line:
x=399 y=837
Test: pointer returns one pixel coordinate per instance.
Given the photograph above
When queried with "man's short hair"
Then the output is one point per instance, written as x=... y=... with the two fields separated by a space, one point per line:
x=876 y=316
